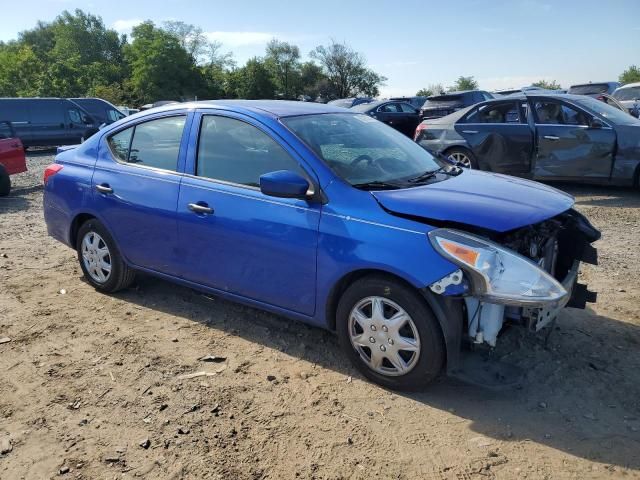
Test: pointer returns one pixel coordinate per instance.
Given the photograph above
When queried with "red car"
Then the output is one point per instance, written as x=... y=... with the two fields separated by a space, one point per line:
x=12 y=159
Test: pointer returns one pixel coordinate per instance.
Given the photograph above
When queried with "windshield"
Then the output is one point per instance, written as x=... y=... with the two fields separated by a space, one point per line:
x=629 y=93
x=591 y=89
x=444 y=101
x=361 y=149
x=342 y=103
x=614 y=114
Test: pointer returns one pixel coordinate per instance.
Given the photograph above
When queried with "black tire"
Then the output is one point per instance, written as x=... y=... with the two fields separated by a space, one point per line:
x=466 y=152
x=5 y=182
x=121 y=275
x=432 y=350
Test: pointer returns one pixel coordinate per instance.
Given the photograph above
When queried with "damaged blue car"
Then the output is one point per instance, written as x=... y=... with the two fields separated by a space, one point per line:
x=323 y=215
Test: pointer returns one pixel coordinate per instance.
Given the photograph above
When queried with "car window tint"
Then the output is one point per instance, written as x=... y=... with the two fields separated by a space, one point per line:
x=114 y=115
x=155 y=143
x=119 y=144
x=554 y=113
x=406 y=108
x=74 y=116
x=389 y=108
x=234 y=151
x=5 y=131
x=495 y=113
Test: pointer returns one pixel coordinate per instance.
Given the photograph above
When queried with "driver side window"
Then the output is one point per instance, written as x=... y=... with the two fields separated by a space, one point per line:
x=555 y=113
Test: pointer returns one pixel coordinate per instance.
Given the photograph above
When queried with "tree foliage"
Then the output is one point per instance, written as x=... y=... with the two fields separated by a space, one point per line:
x=630 y=75
x=548 y=84
x=465 y=83
x=346 y=71
x=76 y=55
x=433 y=89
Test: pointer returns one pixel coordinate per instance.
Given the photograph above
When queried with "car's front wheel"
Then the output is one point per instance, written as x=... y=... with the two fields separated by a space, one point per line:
x=389 y=332
x=100 y=258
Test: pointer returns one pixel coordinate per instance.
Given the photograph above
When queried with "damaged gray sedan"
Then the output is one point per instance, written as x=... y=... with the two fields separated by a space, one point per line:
x=546 y=137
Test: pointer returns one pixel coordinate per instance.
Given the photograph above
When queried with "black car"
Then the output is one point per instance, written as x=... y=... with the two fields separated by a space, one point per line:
x=350 y=102
x=595 y=90
x=101 y=110
x=416 y=102
x=547 y=137
x=438 y=106
x=399 y=115
x=48 y=121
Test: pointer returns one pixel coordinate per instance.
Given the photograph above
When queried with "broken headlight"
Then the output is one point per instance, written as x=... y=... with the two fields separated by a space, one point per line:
x=497 y=274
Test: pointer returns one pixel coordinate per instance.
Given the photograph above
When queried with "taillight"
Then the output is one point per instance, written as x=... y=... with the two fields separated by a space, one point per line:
x=421 y=126
x=50 y=171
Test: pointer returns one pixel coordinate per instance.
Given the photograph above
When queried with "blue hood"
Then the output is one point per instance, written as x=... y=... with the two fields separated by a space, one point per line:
x=486 y=200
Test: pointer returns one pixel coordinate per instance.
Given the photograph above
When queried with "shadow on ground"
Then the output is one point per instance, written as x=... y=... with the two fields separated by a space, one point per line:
x=580 y=395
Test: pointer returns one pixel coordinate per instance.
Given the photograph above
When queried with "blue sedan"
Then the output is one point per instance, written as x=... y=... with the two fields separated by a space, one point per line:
x=323 y=215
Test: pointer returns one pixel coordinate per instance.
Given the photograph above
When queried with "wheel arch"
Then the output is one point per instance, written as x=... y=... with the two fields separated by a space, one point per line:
x=79 y=220
x=448 y=312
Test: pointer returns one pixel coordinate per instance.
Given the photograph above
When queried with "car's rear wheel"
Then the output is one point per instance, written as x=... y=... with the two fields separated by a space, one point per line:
x=462 y=157
x=389 y=332
x=100 y=258
x=5 y=182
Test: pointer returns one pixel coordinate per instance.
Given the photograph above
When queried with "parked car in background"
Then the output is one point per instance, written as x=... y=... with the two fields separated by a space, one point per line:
x=416 y=102
x=126 y=111
x=594 y=90
x=324 y=215
x=519 y=90
x=629 y=96
x=610 y=100
x=350 y=102
x=547 y=137
x=48 y=121
x=399 y=115
x=12 y=158
x=159 y=103
x=438 y=106
x=102 y=111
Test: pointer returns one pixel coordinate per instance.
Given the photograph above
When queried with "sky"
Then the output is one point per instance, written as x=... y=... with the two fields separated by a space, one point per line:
x=414 y=43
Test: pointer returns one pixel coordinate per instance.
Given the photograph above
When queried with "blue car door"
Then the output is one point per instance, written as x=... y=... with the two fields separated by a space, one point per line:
x=136 y=182
x=233 y=237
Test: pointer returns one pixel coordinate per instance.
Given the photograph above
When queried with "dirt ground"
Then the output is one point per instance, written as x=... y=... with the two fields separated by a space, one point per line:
x=91 y=387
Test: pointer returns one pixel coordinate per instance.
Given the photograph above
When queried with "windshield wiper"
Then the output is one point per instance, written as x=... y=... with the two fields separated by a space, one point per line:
x=452 y=171
x=377 y=185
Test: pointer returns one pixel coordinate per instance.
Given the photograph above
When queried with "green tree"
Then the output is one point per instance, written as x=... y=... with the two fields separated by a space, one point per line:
x=161 y=68
x=548 y=84
x=283 y=61
x=313 y=80
x=252 y=81
x=346 y=71
x=465 y=83
x=20 y=71
x=433 y=89
x=630 y=75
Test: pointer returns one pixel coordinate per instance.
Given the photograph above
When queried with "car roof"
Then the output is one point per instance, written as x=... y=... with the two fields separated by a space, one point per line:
x=273 y=108
x=629 y=85
x=592 y=83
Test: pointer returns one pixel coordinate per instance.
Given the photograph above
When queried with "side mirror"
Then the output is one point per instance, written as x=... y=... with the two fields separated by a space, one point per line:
x=284 y=184
x=596 y=123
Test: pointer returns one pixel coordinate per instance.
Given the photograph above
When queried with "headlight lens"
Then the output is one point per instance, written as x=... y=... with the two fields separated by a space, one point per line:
x=498 y=275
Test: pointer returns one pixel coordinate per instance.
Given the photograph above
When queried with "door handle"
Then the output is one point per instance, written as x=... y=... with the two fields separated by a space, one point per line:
x=200 y=208
x=551 y=137
x=104 y=188
x=470 y=132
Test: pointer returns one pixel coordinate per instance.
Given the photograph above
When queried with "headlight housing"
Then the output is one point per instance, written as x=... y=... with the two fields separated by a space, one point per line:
x=497 y=274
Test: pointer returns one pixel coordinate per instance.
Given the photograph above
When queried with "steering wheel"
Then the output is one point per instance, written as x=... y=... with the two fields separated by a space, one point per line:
x=362 y=158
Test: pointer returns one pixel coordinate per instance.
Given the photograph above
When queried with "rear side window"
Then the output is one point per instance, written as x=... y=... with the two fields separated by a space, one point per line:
x=492 y=113
x=234 y=151
x=151 y=144
x=406 y=108
x=5 y=131
x=389 y=108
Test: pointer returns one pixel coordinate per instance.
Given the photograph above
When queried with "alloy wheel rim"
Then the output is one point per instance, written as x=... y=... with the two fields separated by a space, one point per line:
x=461 y=159
x=96 y=257
x=385 y=336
